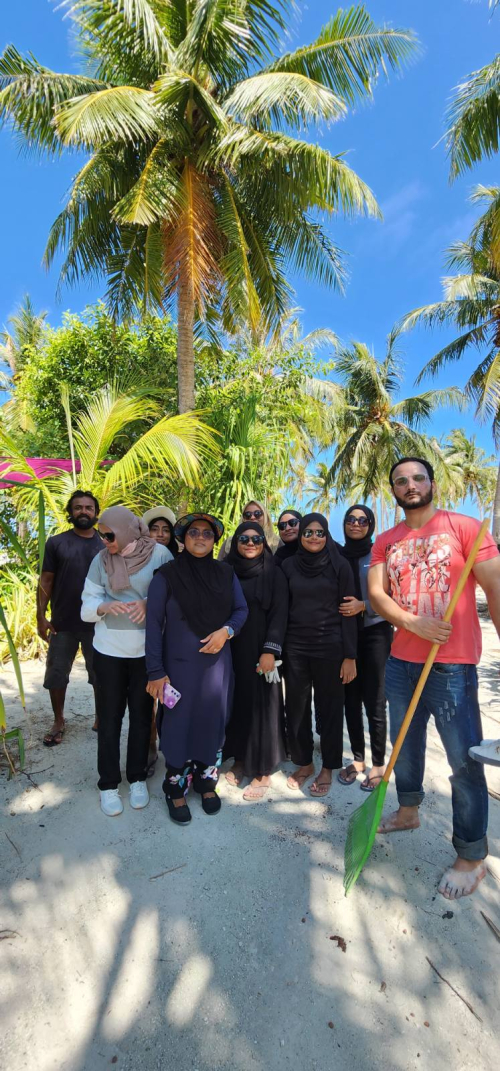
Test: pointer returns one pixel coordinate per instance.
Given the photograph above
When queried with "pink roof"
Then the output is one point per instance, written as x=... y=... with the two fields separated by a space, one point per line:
x=41 y=467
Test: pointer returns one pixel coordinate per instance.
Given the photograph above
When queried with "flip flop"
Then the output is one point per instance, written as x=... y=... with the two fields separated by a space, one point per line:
x=370 y=783
x=300 y=780
x=319 y=785
x=352 y=773
x=50 y=739
x=256 y=793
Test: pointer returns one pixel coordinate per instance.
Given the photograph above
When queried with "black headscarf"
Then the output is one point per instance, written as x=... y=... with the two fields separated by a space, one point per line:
x=287 y=550
x=354 y=549
x=203 y=588
x=250 y=568
x=312 y=564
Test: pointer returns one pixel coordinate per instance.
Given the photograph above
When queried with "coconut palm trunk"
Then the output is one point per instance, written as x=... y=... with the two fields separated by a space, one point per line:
x=185 y=341
x=496 y=511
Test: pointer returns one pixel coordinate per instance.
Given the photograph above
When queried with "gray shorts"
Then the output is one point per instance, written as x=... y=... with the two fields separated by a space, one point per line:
x=63 y=648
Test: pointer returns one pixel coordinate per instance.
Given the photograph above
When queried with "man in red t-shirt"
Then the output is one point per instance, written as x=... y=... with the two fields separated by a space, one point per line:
x=414 y=570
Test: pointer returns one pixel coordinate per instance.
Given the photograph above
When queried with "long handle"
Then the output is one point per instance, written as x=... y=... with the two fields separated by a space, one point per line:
x=464 y=576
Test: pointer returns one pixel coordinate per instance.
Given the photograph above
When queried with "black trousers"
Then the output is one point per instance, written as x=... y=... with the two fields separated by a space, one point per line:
x=302 y=674
x=122 y=681
x=368 y=689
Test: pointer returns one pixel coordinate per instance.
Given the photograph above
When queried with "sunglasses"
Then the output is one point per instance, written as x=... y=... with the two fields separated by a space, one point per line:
x=362 y=522
x=287 y=524
x=311 y=533
x=403 y=481
x=252 y=514
x=108 y=536
x=196 y=533
x=255 y=539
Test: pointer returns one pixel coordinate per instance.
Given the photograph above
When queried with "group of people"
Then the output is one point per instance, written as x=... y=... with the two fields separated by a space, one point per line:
x=228 y=656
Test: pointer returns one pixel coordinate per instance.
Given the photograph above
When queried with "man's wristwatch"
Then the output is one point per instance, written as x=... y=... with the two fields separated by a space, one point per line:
x=230 y=631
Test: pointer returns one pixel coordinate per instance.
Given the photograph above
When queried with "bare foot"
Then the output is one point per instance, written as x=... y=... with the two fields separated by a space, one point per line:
x=257 y=788
x=297 y=778
x=55 y=735
x=404 y=818
x=321 y=784
x=373 y=778
x=236 y=774
x=462 y=878
x=95 y=727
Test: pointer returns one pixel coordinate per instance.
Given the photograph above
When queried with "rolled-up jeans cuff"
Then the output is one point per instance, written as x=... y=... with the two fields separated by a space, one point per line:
x=410 y=799
x=473 y=850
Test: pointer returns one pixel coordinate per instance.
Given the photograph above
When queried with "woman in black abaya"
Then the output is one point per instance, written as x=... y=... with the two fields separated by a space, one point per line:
x=255 y=733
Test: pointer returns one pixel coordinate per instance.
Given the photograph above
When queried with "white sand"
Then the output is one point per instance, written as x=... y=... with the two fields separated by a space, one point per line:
x=227 y=962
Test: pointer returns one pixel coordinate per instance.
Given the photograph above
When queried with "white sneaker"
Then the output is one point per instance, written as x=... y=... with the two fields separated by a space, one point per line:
x=139 y=795
x=488 y=752
x=111 y=803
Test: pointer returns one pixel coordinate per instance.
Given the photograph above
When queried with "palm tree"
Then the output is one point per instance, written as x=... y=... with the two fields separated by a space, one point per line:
x=474 y=117
x=320 y=489
x=472 y=305
x=373 y=427
x=26 y=328
x=196 y=189
x=471 y=471
x=172 y=446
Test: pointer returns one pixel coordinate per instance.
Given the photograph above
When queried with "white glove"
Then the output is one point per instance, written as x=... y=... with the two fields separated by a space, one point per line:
x=272 y=676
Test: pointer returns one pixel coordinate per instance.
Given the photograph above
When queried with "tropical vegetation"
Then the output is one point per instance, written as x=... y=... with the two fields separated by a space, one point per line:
x=471 y=304
x=198 y=188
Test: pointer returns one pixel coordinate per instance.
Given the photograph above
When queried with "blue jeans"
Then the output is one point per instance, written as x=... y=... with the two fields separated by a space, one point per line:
x=450 y=694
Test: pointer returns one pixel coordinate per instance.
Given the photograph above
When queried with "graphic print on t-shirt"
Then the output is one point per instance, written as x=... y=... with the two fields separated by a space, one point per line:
x=419 y=570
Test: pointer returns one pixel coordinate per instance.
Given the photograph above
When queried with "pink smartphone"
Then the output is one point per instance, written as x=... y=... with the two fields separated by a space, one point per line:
x=170 y=696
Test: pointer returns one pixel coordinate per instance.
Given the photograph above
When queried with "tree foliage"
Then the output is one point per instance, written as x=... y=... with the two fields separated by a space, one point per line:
x=201 y=185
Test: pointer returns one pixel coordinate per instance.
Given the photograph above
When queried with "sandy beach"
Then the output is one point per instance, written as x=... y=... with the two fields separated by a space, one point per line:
x=229 y=944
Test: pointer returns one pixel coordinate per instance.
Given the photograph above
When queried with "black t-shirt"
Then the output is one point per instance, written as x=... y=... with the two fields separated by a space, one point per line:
x=68 y=556
x=315 y=626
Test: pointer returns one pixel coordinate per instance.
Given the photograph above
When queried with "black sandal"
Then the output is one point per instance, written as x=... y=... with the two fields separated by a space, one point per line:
x=211 y=804
x=181 y=815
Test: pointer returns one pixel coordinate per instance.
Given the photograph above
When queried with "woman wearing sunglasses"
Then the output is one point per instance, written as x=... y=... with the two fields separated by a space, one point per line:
x=254 y=511
x=114 y=597
x=195 y=607
x=288 y=531
x=255 y=734
x=320 y=651
x=374 y=646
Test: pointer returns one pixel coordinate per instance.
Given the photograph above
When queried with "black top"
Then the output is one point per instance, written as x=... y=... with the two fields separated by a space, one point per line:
x=315 y=627
x=68 y=556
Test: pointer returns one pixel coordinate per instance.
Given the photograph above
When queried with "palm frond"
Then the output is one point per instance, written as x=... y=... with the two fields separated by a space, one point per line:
x=106 y=416
x=350 y=53
x=175 y=446
x=474 y=119
x=120 y=113
x=284 y=99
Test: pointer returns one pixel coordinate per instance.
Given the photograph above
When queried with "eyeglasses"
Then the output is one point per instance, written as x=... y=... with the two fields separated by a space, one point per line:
x=252 y=514
x=205 y=533
x=363 y=522
x=287 y=524
x=403 y=481
x=255 y=539
x=108 y=536
x=311 y=533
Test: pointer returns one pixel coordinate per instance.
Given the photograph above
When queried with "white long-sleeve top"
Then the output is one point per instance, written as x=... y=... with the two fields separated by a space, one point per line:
x=119 y=636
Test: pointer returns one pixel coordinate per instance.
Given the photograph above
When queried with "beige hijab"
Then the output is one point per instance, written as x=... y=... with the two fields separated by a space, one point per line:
x=128 y=529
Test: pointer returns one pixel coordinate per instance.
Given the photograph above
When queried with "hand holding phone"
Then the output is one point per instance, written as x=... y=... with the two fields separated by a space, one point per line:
x=170 y=696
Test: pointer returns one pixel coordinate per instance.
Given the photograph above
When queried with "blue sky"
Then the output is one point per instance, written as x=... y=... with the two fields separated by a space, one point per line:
x=393 y=144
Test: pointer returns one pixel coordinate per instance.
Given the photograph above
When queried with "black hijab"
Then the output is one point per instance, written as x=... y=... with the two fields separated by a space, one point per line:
x=310 y=564
x=172 y=546
x=354 y=549
x=203 y=588
x=261 y=568
x=287 y=550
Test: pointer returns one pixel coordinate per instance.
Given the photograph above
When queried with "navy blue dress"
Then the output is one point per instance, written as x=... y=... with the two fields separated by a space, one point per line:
x=195 y=728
